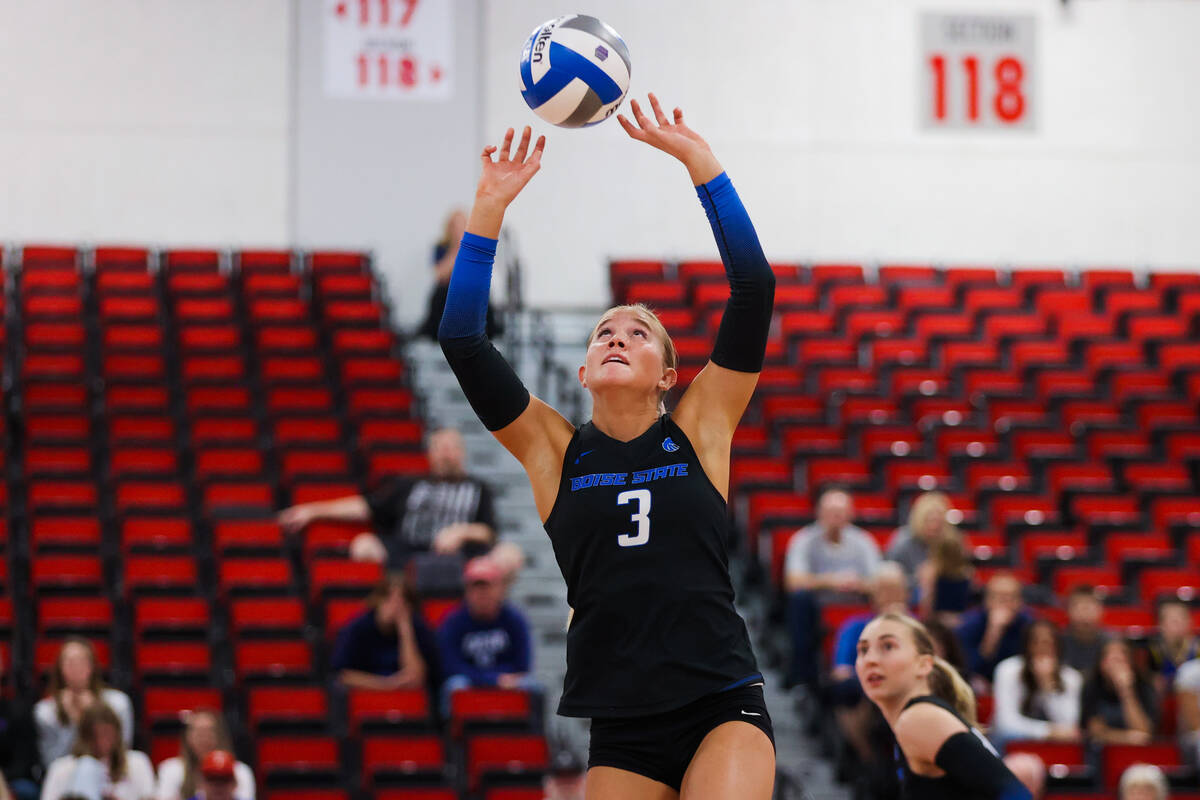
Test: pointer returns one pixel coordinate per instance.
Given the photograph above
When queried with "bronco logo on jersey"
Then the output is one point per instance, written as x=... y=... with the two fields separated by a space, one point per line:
x=669 y=445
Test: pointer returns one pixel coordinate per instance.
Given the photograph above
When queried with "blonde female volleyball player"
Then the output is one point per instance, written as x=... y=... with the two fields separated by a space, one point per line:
x=931 y=709
x=634 y=501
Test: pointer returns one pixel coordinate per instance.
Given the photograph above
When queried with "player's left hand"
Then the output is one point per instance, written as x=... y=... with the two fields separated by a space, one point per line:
x=672 y=136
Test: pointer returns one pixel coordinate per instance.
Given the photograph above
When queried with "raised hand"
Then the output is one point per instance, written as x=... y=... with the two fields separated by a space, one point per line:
x=502 y=180
x=673 y=137
x=505 y=177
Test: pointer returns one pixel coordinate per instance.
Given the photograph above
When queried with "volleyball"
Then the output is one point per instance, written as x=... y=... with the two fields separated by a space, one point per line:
x=574 y=71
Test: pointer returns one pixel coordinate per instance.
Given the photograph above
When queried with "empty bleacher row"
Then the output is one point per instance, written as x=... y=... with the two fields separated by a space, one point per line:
x=160 y=409
x=1059 y=410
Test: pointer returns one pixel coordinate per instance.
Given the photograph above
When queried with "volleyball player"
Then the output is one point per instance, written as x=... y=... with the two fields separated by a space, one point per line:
x=931 y=710
x=634 y=501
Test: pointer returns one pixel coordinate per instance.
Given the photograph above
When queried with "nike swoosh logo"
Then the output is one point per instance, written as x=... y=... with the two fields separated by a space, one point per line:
x=751 y=714
x=584 y=453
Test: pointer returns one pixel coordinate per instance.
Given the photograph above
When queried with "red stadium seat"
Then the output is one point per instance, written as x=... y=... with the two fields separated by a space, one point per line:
x=407 y=708
x=62 y=532
x=223 y=431
x=298 y=754
x=343 y=577
x=1116 y=758
x=171 y=614
x=509 y=754
x=239 y=497
x=1159 y=582
x=266 y=614
x=402 y=756
x=174 y=659
x=254 y=261
x=273 y=659
x=247 y=534
x=130 y=462
x=307 y=431
x=286 y=706
x=286 y=338
x=142 y=495
x=167 y=704
x=489 y=707
x=66 y=572
x=155 y=533
x=73 y=615
x=257 y=575
x=209 y=338
x=155 y=573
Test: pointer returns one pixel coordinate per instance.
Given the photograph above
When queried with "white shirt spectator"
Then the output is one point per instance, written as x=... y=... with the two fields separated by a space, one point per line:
x=55 y=739
x=170 y=780
x=86 y=776
x=1062 y=708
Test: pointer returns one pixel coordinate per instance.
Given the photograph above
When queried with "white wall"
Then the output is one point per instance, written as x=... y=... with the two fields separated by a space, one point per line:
x=382 y=175
x=144 y=120
x=811 y=105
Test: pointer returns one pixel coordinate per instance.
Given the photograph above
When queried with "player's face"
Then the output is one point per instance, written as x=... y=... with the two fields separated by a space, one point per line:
x=625 y=353
x=888 y=664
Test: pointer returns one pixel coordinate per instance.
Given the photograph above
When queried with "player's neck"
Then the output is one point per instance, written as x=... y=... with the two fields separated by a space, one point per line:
x=623 y=417
x=892 y=707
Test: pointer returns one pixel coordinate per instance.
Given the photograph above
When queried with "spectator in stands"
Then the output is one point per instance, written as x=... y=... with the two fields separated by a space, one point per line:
x=945 y=579
x=218 y=778
x=1174 y=644
x=911 y=543
x=485 y=641
x=1036 y=695
x=1030 y=771
x=1084 y=635
x=1143 y=782
x=1120 y=705
x=203 y=733
x=947 y=646
x=445 y=512
x=100 y=765
x=388 y=646
x=18 y=753
x=75 y=686
x=851 y=709
x=831 y=560
x=1187 y=709
x=994 y=632
x=444 y=253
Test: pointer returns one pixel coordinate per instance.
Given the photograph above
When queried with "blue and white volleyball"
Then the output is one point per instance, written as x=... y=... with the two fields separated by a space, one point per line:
x=574 y=71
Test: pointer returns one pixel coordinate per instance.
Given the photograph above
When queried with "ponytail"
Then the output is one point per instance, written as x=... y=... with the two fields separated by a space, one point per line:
x=945 y=682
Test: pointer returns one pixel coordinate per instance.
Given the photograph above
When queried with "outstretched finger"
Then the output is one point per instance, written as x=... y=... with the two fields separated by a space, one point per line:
x=633 y=132
x=538 y=148
x=642 y=120
x=507 y=145
x=658 y=112
x=678 y=116
x=523 y=147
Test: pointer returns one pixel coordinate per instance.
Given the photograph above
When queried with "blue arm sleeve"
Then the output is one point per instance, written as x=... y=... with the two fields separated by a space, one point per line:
x=495 y=392
x=742 y=338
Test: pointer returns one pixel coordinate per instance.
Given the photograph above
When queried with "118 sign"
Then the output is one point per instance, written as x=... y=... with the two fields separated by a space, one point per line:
x=991 y=87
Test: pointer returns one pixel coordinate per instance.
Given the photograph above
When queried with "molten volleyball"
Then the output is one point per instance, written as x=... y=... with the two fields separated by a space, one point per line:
x=574 y=71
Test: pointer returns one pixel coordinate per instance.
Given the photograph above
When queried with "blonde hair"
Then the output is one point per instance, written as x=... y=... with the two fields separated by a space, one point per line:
x=648 y=318
x=944 y=680
x=922 y=504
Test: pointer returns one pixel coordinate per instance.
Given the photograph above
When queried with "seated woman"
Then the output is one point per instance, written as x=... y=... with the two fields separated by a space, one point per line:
x=100 y=766
x=179 y=777
x=388 y=646
x=1036 y=695
x=944 y=581
x=75 y=686
x=1120 y=704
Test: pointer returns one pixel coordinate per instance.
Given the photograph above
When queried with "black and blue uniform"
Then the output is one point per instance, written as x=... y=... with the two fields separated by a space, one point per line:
x=657 y=655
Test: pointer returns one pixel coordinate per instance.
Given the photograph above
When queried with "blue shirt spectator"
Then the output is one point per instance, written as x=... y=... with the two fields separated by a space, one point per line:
x=388 y=646
x=996 y=631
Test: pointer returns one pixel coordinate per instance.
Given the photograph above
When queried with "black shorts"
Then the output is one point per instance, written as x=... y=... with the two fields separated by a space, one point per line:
x=661 y=746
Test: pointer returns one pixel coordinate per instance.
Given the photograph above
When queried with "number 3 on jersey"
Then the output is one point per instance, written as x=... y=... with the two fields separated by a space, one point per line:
x=641 y=517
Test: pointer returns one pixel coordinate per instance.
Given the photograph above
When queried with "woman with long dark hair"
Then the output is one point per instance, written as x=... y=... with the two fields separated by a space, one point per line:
x=1037 y=696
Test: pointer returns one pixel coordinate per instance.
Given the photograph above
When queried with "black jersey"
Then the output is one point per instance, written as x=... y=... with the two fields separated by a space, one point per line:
x=944 y=787
x=639 y=534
